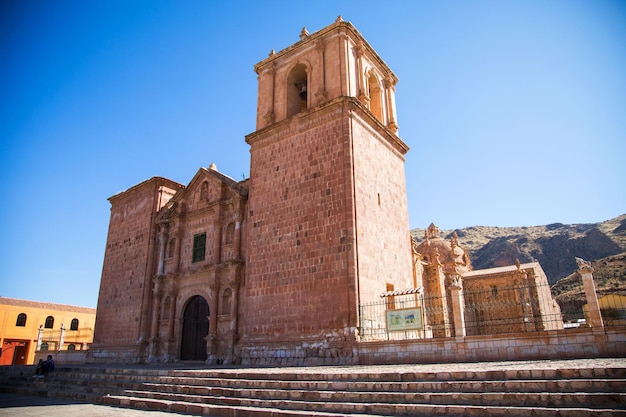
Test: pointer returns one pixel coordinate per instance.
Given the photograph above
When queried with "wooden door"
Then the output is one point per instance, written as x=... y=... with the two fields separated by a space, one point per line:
x=195 y=329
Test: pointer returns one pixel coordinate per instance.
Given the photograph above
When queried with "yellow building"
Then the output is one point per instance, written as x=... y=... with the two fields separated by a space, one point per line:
x=28 y=326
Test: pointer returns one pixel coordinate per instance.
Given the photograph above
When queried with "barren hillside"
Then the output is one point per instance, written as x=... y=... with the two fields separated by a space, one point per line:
x=554 y=246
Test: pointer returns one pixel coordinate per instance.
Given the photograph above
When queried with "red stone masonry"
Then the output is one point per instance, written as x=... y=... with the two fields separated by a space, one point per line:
x=129 y=262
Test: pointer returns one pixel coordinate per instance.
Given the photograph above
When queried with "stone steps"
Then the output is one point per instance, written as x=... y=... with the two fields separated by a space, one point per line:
x=538 y=385
x=335 y=392
x=508 y=398
x=275 y=408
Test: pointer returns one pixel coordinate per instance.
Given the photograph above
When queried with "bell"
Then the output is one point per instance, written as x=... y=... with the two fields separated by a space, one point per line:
x=303 y=92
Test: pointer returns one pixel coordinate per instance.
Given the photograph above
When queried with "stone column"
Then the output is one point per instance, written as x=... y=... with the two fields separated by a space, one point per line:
x=172 y=315
x=234 y=309
x=168 y=342
x=586 y=272
x=161 y=257
x=321 y=94
x=39 y=337
x=62 y=338
x=234 y=306
x=178 y=248
x=270 y=116
x=154 y=329
x=457 y=305
x=212 y=323
x=363 y=93
x=390 y=89
x=237 y=240
x=217 y=243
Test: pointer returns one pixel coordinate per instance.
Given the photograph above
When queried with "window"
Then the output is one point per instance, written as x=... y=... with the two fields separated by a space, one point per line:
x=74 y=325
x=45 y=346
x=21 y=320
x=199 y=246
x=49 y=322
x=71 y=346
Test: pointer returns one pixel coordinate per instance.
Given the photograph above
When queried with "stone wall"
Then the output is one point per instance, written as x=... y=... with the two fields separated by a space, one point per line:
x=553 y=344
x=129 y=264
x=300 y=264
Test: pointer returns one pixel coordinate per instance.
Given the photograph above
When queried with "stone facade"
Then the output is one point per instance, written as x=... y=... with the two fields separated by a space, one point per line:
x=274 y=270
x=270 y=270
x=129 y=259
x=508 y=299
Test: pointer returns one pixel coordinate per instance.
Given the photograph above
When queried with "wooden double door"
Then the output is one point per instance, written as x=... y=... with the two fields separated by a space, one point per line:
x=195 y=330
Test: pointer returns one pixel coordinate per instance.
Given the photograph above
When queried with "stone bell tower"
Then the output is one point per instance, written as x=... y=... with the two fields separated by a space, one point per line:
x=327 y=210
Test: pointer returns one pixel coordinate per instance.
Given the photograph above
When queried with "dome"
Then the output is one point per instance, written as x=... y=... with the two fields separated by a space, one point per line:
x=447 y=252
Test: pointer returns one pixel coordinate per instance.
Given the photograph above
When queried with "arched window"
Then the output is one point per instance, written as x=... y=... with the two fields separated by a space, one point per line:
x=21 y=320
x=74 y=324
x=71 y=346
x=297 y=90
x=49 y=322
x=226 y=299
x=375 y=93
x=230 y=234
x=44 y=346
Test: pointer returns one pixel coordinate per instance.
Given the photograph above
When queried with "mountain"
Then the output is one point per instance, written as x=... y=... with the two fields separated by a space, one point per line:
x=554 y=246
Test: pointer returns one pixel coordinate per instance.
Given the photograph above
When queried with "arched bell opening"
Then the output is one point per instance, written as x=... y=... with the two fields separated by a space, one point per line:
x=297 y=90
x=376 y=96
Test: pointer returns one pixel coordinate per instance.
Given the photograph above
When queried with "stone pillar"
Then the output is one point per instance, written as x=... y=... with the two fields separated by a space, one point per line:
x=270 y=116
x=237 y=240
x=154 y=329
x=162 y=243
x=234 y=306
x=177 y=249
x=234 y=309
x=363 y=93
x=321 y=94
x=39 y=337
x=457 y=305
x=168 y=354
x=62 y=338
x=586 y=272
x=172 y=316
x=211 y=338
x=217 y=243
x=390 y=89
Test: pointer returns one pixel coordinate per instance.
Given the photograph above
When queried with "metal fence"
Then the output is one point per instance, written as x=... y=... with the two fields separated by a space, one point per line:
x=491 y=310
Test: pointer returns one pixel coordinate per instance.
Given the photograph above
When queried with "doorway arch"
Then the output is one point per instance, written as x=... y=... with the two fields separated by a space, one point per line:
x=195 y=329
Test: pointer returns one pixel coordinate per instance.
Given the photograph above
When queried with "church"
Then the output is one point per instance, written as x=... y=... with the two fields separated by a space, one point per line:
x=272 y=269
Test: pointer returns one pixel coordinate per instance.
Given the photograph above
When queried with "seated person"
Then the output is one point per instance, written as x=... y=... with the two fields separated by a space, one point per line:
x=45 y=367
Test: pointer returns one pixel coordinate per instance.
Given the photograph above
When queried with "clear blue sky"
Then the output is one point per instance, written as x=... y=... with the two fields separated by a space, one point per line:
x=515 y=112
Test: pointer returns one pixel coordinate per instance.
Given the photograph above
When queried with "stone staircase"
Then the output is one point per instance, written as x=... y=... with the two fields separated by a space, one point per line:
x=337 y=391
